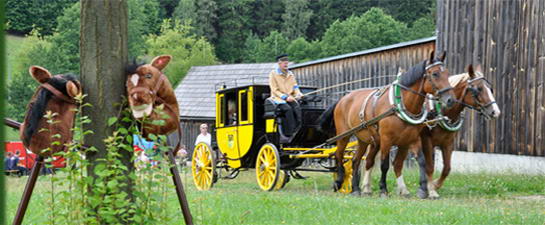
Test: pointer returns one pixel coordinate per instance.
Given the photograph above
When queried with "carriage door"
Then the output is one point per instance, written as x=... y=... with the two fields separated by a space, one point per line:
x=246 y=120
x=227 y=126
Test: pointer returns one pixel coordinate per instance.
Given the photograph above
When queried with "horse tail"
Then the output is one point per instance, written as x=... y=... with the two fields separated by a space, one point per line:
x=326 y=121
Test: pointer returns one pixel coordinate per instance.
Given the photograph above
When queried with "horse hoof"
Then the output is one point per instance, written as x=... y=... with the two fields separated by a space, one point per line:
x=406 y=195
x=384 y=195
x=434 y=197
x=422 y=194
x=356 y=193
x=367 y=194
x=336 y=187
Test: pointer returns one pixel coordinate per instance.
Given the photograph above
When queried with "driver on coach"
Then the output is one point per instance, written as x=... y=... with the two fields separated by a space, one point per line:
x=284 y=91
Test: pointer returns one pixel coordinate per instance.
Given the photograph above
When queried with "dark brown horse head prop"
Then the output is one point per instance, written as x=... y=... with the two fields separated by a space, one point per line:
x=479 y=93
x=150 y=92
x=437 y=79
x=55 y=96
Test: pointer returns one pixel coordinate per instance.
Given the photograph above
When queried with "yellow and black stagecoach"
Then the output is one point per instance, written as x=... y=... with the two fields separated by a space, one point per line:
x=247 y=135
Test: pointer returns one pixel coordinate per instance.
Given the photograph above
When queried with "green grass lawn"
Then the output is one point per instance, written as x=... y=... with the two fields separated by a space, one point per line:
x=11 y=134
x=465 y=199
x=13 y=46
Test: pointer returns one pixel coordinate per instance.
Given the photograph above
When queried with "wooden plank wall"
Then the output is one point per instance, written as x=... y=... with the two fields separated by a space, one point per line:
x=507 y=38
x=374 y=65
x=190 y=131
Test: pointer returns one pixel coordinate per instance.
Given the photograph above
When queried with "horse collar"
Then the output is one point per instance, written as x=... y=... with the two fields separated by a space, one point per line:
x=397 y=101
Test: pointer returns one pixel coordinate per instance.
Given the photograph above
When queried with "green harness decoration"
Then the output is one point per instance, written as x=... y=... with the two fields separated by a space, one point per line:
x=445 y=124
x=397 y=101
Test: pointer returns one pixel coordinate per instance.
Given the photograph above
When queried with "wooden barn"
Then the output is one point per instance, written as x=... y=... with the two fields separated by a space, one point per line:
x=196 y=93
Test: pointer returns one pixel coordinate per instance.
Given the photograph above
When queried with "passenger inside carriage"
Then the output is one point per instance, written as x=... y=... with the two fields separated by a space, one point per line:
x=284 y=93
x=231 y=112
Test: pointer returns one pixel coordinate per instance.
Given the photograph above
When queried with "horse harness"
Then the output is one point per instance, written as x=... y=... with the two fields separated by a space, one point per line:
x=58 y=94
x=445 y=123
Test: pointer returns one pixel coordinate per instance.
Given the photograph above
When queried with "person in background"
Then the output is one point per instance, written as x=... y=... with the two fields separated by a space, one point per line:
x=204 y=136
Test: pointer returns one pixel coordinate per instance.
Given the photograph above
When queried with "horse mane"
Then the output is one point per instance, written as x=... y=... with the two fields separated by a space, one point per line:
x=36 y=107
x=456 y=79
x=132 y=67
x=413 y=74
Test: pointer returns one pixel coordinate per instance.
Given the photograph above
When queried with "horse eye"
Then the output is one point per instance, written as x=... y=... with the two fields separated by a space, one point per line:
x=148 y=76
x=435 y=74
x=479 y=89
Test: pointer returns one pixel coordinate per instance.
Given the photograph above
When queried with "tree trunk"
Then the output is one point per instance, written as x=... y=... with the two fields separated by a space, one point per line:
x=104 y=53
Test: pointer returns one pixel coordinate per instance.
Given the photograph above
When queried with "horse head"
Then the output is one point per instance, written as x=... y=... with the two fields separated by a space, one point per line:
x=436 y=81
x=148 y=88
x=480 y=95
x=54 y=96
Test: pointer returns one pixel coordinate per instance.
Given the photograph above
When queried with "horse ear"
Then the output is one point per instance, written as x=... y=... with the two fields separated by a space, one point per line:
x=471 y=71
x=72 y=89
x=40 y=74
x=443 y=56
x=432 y=56
x=479 y=68
x=160 y=62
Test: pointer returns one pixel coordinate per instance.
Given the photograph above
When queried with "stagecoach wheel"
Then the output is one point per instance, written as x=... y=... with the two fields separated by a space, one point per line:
x=203 y=166
x=282 y=180
x=346 y=187
x=267 y=167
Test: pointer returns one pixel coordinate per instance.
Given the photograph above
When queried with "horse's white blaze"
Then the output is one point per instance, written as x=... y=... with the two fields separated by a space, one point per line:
x=367 y=181
x=134 y=79
x=494 y=106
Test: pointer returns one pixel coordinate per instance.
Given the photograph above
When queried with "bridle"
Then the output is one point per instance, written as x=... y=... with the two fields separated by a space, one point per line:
x=430 y=78
x=475 y=95
x=58 y=94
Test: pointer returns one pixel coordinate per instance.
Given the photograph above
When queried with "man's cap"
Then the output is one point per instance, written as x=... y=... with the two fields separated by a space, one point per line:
x=283 y=57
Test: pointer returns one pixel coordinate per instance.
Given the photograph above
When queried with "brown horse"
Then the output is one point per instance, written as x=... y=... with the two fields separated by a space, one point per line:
x=474 y=92
x=56 y=95
x=151 y=96
x=428 y=77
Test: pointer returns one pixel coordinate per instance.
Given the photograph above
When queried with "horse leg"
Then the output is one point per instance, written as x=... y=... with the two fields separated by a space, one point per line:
x=339 y=156
x=398 y=167
x=369 y=163
x=427 y=148
x=384 y=167
x=356 y=160
x=447 y=154
x=423 y=189
x=29 y=188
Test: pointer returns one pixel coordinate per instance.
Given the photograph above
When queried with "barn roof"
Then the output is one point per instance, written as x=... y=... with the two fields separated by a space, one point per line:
x=366 y=52
x=196 y=92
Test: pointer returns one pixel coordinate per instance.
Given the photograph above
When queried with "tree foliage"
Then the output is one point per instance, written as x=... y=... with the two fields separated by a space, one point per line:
x=296 y=18
x=186 y=49
x=24 y=16
x=372 y=29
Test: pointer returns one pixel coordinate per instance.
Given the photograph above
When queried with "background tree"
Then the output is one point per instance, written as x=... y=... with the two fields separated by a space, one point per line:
x=23 y=16
x=234 y=19
x=296 y=18
x=186 y=49
x=266 y=16
x=372 y=29
x=186 y=11
x=423 y=27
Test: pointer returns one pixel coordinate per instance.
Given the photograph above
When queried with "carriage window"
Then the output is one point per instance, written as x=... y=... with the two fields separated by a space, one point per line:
x=243 y=97
x=230 y=108
x=222 y=110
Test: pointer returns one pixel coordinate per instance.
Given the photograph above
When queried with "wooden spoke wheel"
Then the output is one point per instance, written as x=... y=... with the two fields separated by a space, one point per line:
x=203 y=166
x=283 y=179
x=267 y=167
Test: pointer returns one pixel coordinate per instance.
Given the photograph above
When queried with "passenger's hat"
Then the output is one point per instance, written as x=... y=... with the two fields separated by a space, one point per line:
x=283 y=57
